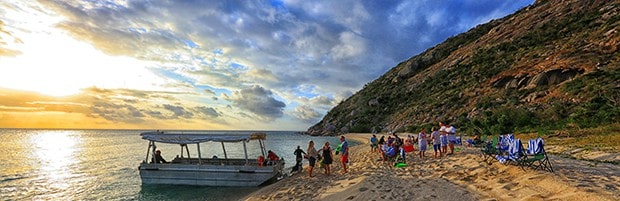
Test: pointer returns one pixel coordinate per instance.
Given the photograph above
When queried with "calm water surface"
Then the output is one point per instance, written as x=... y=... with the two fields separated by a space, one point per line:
x=103 y=165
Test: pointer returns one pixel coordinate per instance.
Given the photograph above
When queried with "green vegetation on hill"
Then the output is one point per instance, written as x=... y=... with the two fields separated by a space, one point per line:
x=549 y=67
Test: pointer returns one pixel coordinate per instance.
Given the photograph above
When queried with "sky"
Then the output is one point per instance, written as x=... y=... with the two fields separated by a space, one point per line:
x=207 y=64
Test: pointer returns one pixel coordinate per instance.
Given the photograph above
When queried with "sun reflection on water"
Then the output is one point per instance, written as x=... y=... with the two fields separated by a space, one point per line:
x=57 y=152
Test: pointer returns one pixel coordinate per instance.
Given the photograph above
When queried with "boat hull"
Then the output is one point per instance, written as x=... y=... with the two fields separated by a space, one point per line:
x=207 y=175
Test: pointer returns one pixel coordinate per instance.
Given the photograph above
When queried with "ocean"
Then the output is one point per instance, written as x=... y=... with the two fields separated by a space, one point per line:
x=37 y=164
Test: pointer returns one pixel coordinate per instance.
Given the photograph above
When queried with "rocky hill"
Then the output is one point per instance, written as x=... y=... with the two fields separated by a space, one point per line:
x=550 y=66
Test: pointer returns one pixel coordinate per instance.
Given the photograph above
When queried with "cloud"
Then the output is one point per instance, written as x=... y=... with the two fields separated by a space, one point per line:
x=350 y=46
x=207 y=111
x=359 y=39
x=299 y=57
x=116 y=112
x=307 y=114
x=263 y=74
x=5 y=35
x=258 y=101
x=178 y=111
x=322 y=100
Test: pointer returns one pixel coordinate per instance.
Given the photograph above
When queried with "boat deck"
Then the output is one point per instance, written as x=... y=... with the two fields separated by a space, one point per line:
x=217 y=161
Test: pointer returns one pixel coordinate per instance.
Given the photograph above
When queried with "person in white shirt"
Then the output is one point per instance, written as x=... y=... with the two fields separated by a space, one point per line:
x=443 y=136
x=451 y=137
x=436 y=141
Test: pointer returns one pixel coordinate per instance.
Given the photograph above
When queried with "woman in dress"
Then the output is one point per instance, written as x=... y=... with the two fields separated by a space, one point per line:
x=422 y=142
x=328 y=156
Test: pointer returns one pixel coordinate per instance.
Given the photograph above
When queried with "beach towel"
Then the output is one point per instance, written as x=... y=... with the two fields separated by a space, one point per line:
x=408 y=148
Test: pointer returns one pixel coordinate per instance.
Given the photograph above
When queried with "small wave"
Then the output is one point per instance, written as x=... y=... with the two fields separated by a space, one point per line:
x=6 y=178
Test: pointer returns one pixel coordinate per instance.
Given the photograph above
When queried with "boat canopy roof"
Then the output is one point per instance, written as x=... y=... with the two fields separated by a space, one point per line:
x=191 y=138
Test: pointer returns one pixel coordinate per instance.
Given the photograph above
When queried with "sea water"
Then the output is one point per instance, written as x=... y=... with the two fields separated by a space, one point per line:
x=40 y=164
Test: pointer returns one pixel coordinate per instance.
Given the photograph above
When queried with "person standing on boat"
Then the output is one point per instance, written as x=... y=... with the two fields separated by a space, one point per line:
x=158 y=158
x=272 y=158
x=298 y=158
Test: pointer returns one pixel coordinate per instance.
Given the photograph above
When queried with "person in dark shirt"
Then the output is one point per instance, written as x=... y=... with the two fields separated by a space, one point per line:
x=299 y=153
x=159 y=158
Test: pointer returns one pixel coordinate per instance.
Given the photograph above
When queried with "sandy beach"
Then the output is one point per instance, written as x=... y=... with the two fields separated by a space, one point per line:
x=462 y=176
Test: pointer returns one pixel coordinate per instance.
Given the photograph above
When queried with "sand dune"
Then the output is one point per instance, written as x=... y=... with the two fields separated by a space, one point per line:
x=462 y=176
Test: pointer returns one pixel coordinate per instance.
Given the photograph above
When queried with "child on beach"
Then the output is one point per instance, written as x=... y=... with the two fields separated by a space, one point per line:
x=326 y=153
x=436 y=141
x=422 y=142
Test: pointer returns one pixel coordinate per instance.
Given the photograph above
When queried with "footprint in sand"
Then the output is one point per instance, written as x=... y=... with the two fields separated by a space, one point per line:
x=583 y=185
x=536 y=177
x=470 y=178
x=510 y=186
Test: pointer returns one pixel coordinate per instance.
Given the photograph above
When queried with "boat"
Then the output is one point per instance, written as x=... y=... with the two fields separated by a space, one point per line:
x=202 y=171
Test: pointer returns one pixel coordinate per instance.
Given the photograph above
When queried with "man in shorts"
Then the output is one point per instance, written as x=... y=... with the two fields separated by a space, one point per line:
x=344 y=158
x=374 y=143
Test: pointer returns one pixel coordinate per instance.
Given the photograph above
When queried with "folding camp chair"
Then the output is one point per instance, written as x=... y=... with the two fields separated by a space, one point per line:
x=504 y=143
x=479 y=143
x=536 y=156
x=515 y=154
x=489 y=151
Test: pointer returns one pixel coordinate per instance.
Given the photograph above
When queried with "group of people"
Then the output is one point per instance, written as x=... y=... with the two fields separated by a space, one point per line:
x=441 y=140
x=324 y=156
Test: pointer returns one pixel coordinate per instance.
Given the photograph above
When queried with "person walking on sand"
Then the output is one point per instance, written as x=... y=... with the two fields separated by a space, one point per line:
x=344 y=158
x=422 y=142
x=313 y=156
x=326 y=153
x=436 y=141
x=298 y=158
